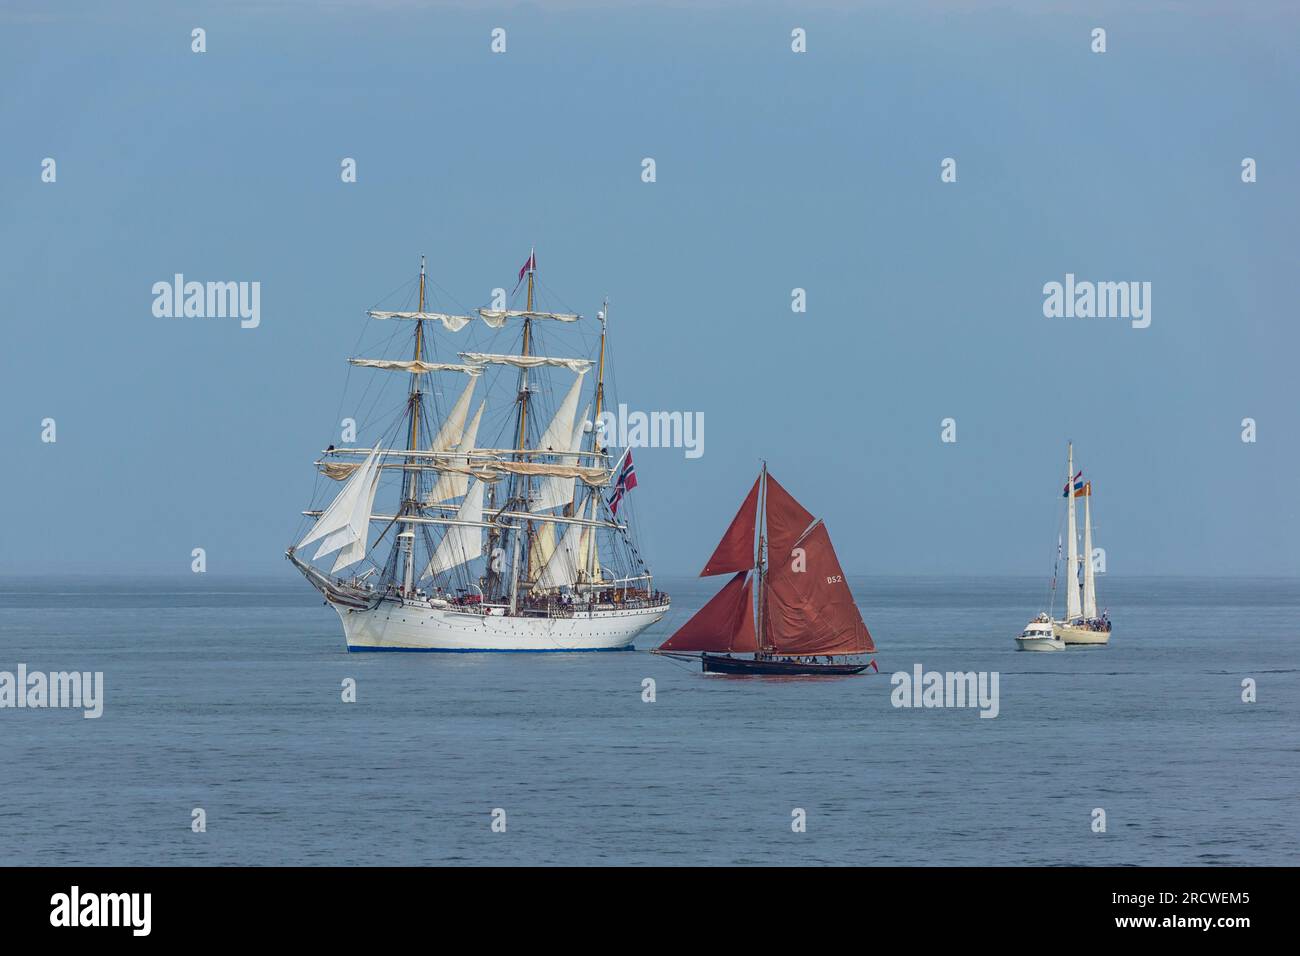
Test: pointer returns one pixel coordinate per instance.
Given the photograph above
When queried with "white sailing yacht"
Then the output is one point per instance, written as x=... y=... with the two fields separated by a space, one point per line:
x=1081 y=624
x=420 y=575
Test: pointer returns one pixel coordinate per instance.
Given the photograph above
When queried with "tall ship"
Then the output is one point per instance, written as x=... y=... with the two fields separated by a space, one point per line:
x=484 y=511
x=787 y=604
x=1081 y=624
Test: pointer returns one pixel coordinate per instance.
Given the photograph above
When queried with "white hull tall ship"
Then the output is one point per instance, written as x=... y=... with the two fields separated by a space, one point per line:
x=509 y=544
x=1081 y=624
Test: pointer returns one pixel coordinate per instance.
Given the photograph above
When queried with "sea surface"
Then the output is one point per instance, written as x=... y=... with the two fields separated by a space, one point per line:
x=226 y=696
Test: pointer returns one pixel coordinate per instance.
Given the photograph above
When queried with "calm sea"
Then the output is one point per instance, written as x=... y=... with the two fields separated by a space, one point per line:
x=226 y=696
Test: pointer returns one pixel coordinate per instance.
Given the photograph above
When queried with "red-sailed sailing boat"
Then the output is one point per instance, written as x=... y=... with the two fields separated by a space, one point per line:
x=804 y=609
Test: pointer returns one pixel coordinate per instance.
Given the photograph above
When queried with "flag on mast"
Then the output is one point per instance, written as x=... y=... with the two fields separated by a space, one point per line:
x=530 y=265
x=626 y=482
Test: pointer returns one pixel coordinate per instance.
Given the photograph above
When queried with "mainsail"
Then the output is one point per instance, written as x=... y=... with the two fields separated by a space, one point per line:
x=809 y=608
x=1072 y=609
x=787 y=520
x=1089 y=583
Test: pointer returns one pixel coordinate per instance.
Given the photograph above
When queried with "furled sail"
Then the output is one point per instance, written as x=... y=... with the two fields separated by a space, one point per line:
x=494 y=318
x=591 y=476
x=809 y=607
x=497 y=317
x=412 y=365
x=1089 y=582
x=453 y=484
x=735 y=552
x=526 y=361
x=453 y=429
x=338 y=523
x=787 y=520
x=452 y=323
x=725 y=624
x=462 y=542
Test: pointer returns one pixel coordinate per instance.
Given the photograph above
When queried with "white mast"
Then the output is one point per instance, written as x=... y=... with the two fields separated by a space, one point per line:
x=1072 y=610
x=1089 y=585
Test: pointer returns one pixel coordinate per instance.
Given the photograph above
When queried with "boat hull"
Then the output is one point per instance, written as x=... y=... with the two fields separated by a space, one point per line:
x=1039 y=644
x=1081 y=635
x=394 y=625
x=757 y=668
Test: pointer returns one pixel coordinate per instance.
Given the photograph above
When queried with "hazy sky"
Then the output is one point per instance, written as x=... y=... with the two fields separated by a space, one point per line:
x=775 y=170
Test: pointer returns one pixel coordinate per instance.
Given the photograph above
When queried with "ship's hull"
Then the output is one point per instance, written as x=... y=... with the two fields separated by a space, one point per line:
x=395 y=625
x=751 y=667
x=1081 y=635
x=1039 y=644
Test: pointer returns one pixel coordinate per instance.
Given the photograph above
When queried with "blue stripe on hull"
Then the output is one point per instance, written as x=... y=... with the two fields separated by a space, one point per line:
x=495 y=650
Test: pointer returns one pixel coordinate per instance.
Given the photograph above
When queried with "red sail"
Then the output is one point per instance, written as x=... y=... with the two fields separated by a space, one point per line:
x=810 y=609
x=786 y=521
x=735 y=552
x=725 y=624
x=742 y=638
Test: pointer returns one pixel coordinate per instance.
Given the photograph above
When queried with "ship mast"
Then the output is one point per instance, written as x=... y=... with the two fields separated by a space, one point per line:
x=522 y=548
x=410 y=491
x=595 y=441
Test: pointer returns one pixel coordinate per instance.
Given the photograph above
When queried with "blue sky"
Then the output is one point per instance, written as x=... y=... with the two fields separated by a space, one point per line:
x=775 y=171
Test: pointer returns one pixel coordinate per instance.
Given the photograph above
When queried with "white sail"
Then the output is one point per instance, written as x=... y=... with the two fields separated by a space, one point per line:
x=557 y=490
x=1072 y=610
x=453 y=484
x=541 y=550
x=1089 y=584
x=453 y=429
x=559 y=434
x=590 y=552
x=461 y=543
x=526 y=361
x=340 y=514
x=562 y=569
x=356 y=549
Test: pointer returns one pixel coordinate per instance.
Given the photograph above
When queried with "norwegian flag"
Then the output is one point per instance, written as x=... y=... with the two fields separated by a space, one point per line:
x=626 y=482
